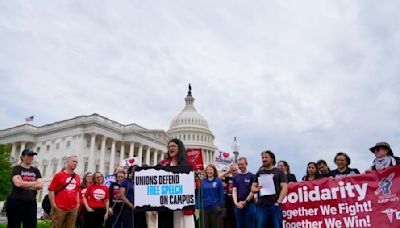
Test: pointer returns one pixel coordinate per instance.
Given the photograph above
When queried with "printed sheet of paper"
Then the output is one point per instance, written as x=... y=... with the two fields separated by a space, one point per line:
x=267 y=183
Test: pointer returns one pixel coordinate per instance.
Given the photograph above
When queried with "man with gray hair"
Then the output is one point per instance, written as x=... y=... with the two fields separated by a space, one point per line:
x=64 y=195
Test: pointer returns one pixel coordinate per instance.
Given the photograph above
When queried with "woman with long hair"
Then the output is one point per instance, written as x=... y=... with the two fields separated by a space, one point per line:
x=284 y=166
x=115 y=201
x=96 y=201
x=176 y=157
x=86 y=181
x=312 y=172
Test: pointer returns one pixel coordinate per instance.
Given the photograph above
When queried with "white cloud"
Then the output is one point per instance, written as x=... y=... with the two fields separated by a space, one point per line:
x=306 y=79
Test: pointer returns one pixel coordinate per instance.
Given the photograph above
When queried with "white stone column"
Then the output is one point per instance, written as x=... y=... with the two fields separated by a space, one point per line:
x=111 y=169
x=131 y=148
x=91 y=164
x=155 y=154
x=13 y=151
x=203 y=153
x=140 y=152
x=148 y=156
x=102 y=154
x=22 y=146
x=78 y=149
x=122 y=152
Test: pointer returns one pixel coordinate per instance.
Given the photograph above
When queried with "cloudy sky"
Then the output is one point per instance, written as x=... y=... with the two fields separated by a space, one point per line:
x=305 y=79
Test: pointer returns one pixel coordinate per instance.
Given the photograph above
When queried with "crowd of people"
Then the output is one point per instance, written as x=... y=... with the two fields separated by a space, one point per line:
x=231 y=198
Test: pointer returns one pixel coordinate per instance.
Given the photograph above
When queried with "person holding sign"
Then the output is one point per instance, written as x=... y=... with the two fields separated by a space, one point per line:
x=271 y=185
x=96 y=201
x=384 y=157
x=212 y=198
x=177 y=219
x=312 y=172
x=342 y=161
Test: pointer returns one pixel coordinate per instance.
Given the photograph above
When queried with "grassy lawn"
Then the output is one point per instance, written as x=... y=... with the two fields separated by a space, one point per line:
x=40 y=224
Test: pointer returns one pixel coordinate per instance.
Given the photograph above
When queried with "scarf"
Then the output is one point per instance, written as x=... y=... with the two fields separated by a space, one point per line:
x=381 y=163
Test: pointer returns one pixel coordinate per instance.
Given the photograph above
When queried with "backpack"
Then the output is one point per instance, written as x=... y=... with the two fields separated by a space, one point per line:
x=46 y=204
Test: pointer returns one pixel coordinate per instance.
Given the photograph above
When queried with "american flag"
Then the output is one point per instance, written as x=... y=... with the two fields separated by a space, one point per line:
x=29 y=119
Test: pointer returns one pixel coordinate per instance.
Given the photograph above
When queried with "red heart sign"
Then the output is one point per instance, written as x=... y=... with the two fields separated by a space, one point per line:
x=225 y=154
x=131 y=161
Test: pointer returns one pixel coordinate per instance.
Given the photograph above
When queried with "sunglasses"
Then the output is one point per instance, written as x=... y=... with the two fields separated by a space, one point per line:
x=378 y=149
x=98 y=177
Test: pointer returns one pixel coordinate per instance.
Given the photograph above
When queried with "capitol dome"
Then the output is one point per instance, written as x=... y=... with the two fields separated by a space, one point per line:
x=189 y=116
x=192 y=128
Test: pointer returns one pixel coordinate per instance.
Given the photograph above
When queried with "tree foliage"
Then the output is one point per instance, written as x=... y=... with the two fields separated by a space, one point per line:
x=5 y=172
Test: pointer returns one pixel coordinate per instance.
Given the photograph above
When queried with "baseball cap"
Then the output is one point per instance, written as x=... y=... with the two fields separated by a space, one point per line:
x=28 y=151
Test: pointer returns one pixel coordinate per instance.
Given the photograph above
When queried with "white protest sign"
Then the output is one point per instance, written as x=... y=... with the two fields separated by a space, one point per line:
x=267 y=183
x=130 y=162
x=164 y=187
x=223 y=159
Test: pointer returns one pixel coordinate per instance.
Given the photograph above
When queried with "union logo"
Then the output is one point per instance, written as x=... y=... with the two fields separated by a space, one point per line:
x=384 y=185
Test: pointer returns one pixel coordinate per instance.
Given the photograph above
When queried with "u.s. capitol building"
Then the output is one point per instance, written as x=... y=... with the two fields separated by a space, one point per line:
x=101 y=143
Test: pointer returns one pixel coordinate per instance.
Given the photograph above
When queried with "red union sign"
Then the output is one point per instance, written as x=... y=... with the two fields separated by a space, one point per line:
x=367 y=200
x=196 y=157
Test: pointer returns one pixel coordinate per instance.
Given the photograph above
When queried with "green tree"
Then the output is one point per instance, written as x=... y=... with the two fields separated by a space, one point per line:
x=5 y=172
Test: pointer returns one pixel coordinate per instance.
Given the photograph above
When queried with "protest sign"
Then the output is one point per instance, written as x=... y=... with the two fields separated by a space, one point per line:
x=109 y=179
x=166 y=187
x=130 y=162
x=367 y=200
x=223 y=159
x=196 y=157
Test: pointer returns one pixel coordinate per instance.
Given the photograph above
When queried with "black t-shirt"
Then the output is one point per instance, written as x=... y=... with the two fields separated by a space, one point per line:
x=278 y=178
x=228 y=191
x=114 y=196
x=291 y=178
x=349 y=171
x=325 y=175
x=31 y=174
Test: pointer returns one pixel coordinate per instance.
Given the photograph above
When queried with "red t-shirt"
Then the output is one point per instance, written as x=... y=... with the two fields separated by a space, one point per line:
x=81 y=195
x=96 y=195
x=67 y=198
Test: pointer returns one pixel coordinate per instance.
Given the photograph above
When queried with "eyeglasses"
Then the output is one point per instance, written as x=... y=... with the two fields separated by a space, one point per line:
x=98 y=177
x=378 y=149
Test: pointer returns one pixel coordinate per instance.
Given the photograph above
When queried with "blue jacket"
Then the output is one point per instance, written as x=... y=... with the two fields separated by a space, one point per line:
x=212 y=194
